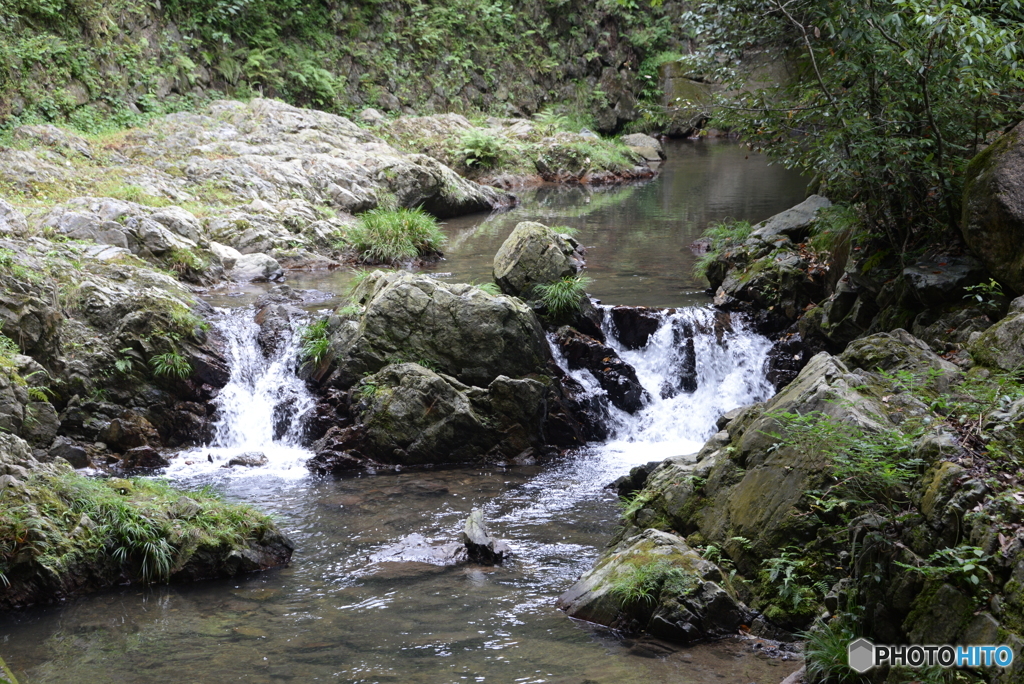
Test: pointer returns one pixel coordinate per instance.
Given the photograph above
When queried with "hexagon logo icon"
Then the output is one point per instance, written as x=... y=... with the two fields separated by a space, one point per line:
x=860 y=655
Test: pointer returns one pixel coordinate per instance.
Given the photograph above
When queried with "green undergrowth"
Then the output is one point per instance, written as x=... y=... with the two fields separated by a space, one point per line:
x=96 y=65
x=315 y=341
x=645 y=578
x=146 y=528
x=720 y=235
x=390 y=236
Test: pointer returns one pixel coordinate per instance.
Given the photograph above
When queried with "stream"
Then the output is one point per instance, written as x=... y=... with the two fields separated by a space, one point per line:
x=355 y=605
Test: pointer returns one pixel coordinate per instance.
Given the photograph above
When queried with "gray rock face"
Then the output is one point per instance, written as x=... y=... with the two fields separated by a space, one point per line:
x=685 y=599
x=793 y=223
x=535 y=255
x=12 y=221
x=255 y=268
x=414 y=416
x=934 y=282
x=649 y=148
x=481 y=547
x=993 y=208
x=459 y=329
x=899 y=351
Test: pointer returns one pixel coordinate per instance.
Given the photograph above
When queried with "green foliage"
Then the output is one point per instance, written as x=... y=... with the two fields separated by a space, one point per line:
x=787 y=572
x=720 y=235
x=564 y=230
x=8 y=350
x=482 y=149
x=645 y=578
x=892 y=98
x=984 y=293
x=490 y=288
x=315 y=342
x=961 y=565
x=391 y=236
x=140 y=524
x=825 y=652
x=185 y=261
x=171 y=365
x=564 y=297
x=125 y=363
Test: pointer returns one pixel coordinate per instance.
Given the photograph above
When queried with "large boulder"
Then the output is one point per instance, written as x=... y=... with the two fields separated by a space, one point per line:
x=411 y=415
x=794 y=223
x=993 y=208
x=460 y=330
x=535 y=255
x=1002 y=345
x=654 y=582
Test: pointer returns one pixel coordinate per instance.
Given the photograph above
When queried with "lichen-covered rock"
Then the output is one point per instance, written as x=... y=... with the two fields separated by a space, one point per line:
x=898 y=351
x=993 y=208
x=654 y=582
x=458 y=329
x=535 y=255
x=1002 y=345
x=942 y=280
x=413 y=416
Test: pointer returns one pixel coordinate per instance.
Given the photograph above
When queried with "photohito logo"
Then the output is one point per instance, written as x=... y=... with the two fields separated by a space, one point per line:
x=862 y=655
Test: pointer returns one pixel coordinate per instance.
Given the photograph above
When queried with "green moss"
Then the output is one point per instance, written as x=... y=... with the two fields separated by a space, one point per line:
x=147 y=528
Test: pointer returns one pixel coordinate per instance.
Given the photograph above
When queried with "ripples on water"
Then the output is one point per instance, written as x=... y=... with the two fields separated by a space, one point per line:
x=336 y=615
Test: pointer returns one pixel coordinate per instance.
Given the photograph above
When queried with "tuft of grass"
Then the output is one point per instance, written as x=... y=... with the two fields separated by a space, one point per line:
x=148 y=527
x=644 y=579
x=390 y=236
x=564 y=297
x=564 y=230
x=721 y=234
x=185 y=261
x=825 y=652
x=315 y=342
x=171 y=365
x=490 y=288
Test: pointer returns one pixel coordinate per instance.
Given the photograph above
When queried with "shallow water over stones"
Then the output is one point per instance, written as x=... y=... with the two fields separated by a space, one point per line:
x=344 y=612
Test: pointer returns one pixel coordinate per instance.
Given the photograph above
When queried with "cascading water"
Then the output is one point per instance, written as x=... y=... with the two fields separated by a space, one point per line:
x=260 y=410
x=715 y=351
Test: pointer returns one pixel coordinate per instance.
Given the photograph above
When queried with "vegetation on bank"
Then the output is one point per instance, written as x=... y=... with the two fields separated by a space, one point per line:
x=93 y=65
x=140 y=529
x=391 y=236
x=889 y=102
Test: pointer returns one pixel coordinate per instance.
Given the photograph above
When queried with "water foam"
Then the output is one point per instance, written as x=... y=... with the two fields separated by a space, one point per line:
x=260 y=409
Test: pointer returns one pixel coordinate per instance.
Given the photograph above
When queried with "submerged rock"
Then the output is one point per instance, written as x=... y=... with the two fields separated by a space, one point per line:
x=249 y=459
x=481 y=547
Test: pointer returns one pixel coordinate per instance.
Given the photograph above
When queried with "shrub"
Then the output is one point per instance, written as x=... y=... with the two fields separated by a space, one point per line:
x=389 y=236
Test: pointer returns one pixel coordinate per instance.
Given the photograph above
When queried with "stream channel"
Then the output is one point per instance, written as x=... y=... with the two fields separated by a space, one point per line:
x=358 y=605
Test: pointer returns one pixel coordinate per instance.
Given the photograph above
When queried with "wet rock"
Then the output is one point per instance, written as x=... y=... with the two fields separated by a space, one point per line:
x=143 y=457
x=786 y=359
x=249 y=459
x=634 y=325
x=416 y=549
x=458 y=329
x=255 y=268
x=481 y=547
x=128 y=431
x=648 y=147
x=687 y=600
x=615 y=376
x=535 y=255
x=993 y=208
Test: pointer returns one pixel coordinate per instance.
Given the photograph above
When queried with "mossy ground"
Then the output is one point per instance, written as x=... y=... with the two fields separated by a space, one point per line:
x=145 y=529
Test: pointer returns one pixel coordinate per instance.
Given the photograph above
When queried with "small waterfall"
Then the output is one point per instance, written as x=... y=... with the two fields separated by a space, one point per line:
x=699 y=364
x=261 y=408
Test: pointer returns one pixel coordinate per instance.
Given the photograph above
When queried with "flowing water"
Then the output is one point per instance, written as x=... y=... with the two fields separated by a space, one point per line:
x=358 y=602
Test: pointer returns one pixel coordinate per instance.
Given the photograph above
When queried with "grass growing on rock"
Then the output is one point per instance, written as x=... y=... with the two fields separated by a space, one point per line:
x=146 y=528
x=719 y=235
x=645 y=579
x=565 y=296
x=315 y=342
x=390 y=236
